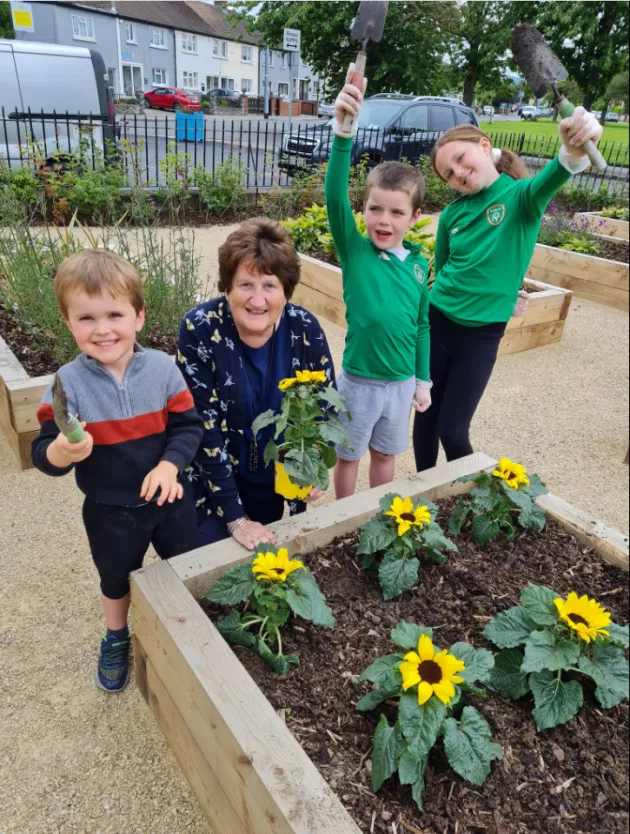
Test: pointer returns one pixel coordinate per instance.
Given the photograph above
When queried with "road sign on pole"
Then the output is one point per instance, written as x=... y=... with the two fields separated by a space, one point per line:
x=291 y=40
x=22 y=16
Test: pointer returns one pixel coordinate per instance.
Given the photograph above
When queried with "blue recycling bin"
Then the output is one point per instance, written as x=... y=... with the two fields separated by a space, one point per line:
x=189 y=127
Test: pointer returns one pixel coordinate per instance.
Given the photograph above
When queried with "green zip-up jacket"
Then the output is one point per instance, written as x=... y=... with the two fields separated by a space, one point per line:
x=484 y=244
x=387 y=301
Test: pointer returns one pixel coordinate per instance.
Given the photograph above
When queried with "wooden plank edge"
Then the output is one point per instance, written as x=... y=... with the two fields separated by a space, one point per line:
x=199 y=568
x=269 y=781
x=609 y=542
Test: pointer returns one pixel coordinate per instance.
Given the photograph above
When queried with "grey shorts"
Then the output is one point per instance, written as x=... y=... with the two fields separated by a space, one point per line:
x=380 y=414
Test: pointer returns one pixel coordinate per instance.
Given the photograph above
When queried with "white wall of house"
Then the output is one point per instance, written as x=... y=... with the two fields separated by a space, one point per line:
x=238 y=66
x=195 y=61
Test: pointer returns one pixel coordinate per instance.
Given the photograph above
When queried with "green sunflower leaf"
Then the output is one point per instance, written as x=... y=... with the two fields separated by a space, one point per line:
x=302 y=466
x=420 y=725
x=619 y=634
x=412 y=767
x=532 y=518
x=232 y=629
x=537 y=600
x=397 y=575
x=507 y=677
x=606 y=664
x=468 y=746
x=236 y=585
x=332 y=396
x=270 y=453
x=376 y=697
x=432 y=536
x=388 y=745
x=367 y=563
x=536 y=486
x=483 y=499
x=556 y=701
x=387 y=500
x=376 y=535
x=458 y=517
x=431 y=507
x=481 y=478
x=334 y=431
x=328 y=454
x=417 y=790
x=484 y=530
x=382 y=671
x=407 y=635
x=479 y=662
x=510 y=628
x=281 y=664
x=307 y=601
x=518 y=497
x=263 y=420
x=546 y=650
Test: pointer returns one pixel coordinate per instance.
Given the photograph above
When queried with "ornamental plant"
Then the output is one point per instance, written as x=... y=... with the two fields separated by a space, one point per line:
x=309 y=426
x=560 y=639
x=391 y=540
x=428 y=685
x=500 y=503
x=272 y=586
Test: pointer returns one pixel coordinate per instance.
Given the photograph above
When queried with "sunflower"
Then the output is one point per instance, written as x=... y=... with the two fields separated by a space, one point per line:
x=512 y=473
x=275 y=567
x=406 y=517
x=433 y=672
x=302 y=377
x=285 y=487
x=584 y=615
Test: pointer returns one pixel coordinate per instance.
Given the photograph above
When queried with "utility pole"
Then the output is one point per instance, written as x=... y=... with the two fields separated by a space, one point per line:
x=290 y=91
x=266 y=82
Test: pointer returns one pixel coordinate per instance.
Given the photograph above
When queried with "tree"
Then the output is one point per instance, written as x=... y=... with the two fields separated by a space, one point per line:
x=6 y=21
x=409 y=59
x=617 y=89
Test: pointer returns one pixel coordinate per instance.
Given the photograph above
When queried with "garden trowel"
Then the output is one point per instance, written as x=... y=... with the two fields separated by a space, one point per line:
x=367 y=26
x=67 y=424
x=542 y=69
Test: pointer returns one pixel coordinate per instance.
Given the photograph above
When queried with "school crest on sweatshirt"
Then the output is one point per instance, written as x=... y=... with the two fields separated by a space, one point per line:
x=495 y=214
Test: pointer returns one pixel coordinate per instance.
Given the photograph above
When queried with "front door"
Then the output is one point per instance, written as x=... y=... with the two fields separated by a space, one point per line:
x=132 y=79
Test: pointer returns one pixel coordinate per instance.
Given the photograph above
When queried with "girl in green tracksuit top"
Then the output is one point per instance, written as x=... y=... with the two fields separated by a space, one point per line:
x=484 y=244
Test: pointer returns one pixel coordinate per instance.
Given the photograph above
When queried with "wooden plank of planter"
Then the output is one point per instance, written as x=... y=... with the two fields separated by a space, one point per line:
x=610 y=226
x=26 y=396
x=596 y=279
x=317 y=528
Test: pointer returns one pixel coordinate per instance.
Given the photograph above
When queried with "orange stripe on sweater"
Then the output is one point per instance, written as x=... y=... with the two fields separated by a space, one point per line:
x=109 y=432
x=181 y=402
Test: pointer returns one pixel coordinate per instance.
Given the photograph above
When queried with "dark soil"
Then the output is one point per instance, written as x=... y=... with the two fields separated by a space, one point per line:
x=613 y=251
x=38 y=360
x=570 y=780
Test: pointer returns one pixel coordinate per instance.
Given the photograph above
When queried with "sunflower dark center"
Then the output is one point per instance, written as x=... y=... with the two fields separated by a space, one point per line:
x=279 y=571
x=430 y=671
x=511 y=475
x=576 y=618
x=408 y=517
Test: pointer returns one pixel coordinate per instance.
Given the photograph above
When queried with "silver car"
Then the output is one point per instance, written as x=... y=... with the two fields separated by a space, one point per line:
x=325 y=111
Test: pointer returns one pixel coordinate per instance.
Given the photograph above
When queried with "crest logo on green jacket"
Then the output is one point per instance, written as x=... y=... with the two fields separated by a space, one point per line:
x=495 y=214
x=419 y=273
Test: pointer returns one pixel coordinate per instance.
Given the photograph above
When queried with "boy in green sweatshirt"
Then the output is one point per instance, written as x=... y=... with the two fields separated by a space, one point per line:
x=385 y=365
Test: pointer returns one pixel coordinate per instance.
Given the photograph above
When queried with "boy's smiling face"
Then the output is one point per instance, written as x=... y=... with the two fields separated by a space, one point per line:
x=388 y=217
x=104 y=327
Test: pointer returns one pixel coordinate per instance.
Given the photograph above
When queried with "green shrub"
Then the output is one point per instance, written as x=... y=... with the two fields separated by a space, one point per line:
x=438 y=192
x=222 y=191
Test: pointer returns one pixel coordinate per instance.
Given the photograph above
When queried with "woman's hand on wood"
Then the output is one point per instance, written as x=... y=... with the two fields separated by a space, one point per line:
x=314 y=495
x=251 y=533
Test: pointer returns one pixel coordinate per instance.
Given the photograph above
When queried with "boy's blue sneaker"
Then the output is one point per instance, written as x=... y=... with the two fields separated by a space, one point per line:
x=112 y=672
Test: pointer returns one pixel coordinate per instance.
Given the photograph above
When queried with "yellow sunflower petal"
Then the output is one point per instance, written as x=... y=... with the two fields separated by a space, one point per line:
x=407 y=506
x=426 y=650
x=403 y=526
x=286 y=383
x=425 y=691
x=445 y=691
x=397 y=506
x=409 y=673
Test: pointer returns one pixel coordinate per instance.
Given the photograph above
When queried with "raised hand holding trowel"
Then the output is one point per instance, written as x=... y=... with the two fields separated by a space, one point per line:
x=368 y=26
x=542 y=70
x=73 y=444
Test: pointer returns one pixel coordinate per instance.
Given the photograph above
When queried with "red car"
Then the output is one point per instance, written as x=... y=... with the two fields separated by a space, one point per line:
x=170 y=98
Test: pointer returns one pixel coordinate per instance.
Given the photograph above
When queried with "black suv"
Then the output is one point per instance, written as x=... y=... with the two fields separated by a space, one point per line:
x=391 y=126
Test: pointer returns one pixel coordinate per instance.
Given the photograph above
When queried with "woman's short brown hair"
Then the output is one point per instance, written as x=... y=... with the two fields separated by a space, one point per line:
x=95 y=271
x=265 y=246
x=509 y=163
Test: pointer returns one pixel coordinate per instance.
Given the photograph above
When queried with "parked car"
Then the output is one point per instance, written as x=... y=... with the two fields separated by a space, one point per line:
x=325 y=110
x=546 y=112
x=529 y=112
x=390 y=127
x=488 y=110
x=611 y=116
x=170 y=98
x=230 y=97
x=73 y=104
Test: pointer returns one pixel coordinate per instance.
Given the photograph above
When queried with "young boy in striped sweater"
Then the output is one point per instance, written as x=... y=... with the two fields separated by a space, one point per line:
x=141 y=431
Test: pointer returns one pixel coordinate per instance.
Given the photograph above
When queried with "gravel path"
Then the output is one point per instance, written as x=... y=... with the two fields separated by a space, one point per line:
x=76 y=761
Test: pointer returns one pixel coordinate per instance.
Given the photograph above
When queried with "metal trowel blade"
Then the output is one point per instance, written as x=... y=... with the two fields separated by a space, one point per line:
x=535 y=59
x=370 y=20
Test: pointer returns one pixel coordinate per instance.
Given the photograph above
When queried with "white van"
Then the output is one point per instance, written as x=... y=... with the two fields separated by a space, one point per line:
x=51 y=97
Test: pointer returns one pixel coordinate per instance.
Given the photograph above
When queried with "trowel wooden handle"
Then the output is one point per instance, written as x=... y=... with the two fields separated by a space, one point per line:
x=357 y=80
x=566 y=109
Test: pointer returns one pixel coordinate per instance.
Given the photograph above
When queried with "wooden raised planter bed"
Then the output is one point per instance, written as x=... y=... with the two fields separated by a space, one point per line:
x=320 y=291
x=250 y=775
x=590 y=277
x=607 y=226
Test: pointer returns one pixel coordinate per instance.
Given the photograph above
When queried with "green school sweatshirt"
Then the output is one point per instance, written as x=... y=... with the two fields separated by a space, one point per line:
x=484 y=244
x=387 y=301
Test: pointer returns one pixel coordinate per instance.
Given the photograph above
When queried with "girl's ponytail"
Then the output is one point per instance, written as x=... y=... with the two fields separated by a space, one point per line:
x=505 y=161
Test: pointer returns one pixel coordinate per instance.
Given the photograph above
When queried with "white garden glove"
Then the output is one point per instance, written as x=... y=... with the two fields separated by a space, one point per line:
x=348 y=102
x=422 y=397
x=521 y=305
x=574 y=132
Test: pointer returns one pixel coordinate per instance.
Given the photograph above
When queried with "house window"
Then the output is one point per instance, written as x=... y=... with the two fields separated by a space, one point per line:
x=212 y=82
x=224 y=49
x=227 y=83
x=247 y=54
x=130 y=33
x=271 y=57
x=215 y=48
x=158 y=38
x=283 y=89
x=283 y=60
x=191 y=80
x=246 y=85
x=82 y=27
x=189 y=42
x=159 y=77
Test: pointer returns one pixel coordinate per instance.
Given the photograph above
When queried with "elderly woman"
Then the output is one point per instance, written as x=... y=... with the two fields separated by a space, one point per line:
x=233 y=352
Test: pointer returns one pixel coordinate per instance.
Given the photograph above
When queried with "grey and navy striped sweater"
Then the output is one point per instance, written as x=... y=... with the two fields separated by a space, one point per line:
x=147 y=418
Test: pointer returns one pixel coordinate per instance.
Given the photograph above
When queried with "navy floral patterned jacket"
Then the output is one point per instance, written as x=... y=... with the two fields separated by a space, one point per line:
x=208 y=356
